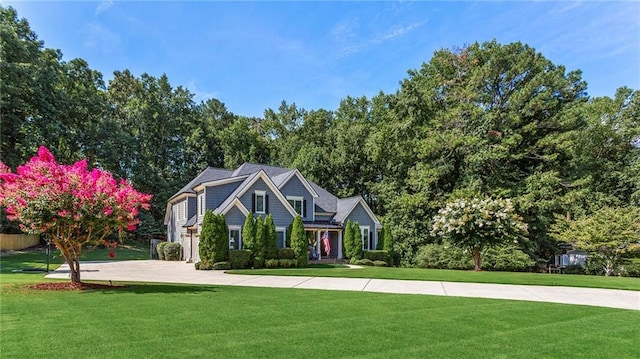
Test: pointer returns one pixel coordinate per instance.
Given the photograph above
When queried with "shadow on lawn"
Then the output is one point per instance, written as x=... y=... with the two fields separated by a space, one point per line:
x=155 y=288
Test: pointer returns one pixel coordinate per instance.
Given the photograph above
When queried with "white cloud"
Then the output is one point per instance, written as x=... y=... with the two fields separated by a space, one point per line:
x=101 y=38
x=103 y=6
x=201 y=95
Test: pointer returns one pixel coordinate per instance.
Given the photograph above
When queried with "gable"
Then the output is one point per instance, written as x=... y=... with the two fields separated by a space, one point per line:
x=276 y=205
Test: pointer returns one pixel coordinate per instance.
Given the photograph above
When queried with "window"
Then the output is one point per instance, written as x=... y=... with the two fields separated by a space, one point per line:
x=364 y=233
x=260 y=202
x=235 y=242
x=296 y=203
x=281 y=237
x=201 y=204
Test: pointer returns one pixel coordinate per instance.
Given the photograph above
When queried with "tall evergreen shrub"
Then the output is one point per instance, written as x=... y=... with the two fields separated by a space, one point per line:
x=346 y=240
x=248 y=232
x=299 y=242
x=207 y=237
x=258 y=245
x=221 y=239
x=270 y=245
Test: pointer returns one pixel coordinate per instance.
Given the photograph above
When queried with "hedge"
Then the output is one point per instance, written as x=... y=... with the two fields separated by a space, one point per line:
x=172 y=251
x=380 y=263
x=204 y=265
x=376 y=255
x=271 y=263
x=362 y=262
x=286 y=253
x=502 y=258
x=240 y=258
x=287 y=263
x=160 y=250
x=221 y=265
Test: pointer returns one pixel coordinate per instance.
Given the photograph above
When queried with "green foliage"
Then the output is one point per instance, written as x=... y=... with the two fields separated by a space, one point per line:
x=299 y=242
x=240 y=258
x=380 y=263
x=221 y=265
x=352 y=240
x=477 y=223
x=270 y=245
x=362 y=262
x=221 y=239
x=286 y=253
x=271 y=263
x=172 y=251
x=204 y=265
x=258 y=248
x=380 y=243
x=609 y=235
x=346 y=240
x=443 y=257
x=160 y=250
x=206 y=245
x=506 y=258
x=377 y=255
x=249 y=232
x=287 y=263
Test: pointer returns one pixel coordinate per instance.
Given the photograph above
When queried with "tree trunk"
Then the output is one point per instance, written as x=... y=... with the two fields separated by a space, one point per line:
x=74 y=266
x=476 y=258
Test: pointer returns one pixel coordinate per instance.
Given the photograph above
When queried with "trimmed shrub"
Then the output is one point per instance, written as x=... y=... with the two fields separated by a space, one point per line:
x=377 y=255
x=271 y=263
x=221 y=265
x=346 y=240
x=220 y=239
x=631 y=268
x=172 y=251
x=362 y=262
x=443 y=257
x=287 y=263
x=240 y=258
x=379 y=263
x=574 y=269
x=197 y=265
x=356 y=241
x=249 y=232
x=258 y=248
x=204 y=265
x=207 y=236
x=286 y=253
x=160 y=250
x=506 y=258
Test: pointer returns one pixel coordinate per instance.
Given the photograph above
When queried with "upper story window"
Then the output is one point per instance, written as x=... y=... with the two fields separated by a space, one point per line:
x=201 y=204
x=296 y=203
x=260 y=201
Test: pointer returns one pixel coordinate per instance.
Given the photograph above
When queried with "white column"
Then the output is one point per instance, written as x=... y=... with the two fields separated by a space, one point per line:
x=339 y=244
x=318 y=246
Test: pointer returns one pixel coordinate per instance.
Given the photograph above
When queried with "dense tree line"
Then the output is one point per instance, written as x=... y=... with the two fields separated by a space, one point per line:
x=493 y=119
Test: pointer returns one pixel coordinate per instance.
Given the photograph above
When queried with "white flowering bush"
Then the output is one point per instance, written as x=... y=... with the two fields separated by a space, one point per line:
x=477 y=223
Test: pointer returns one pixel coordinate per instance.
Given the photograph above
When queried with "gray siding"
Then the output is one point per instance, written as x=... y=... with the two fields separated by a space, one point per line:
x=216 y=195
x=178 y=220
x=281 y=217
x=360 y=215
x=234 y=217
x=295 y=188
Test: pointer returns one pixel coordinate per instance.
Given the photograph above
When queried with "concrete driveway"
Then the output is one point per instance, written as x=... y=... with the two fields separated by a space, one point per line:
x=180 y=272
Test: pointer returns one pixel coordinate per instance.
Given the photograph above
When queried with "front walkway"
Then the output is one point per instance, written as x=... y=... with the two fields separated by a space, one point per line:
x=180 y=272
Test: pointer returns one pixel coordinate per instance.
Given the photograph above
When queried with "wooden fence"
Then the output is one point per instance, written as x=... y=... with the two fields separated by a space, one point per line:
x=18 y=241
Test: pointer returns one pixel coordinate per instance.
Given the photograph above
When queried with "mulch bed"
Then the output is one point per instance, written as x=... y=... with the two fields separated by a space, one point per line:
x=69 y=286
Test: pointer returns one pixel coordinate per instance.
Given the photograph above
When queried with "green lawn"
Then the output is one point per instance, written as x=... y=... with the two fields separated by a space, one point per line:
x=456 y=276
x=29 y=261
x=169 y=321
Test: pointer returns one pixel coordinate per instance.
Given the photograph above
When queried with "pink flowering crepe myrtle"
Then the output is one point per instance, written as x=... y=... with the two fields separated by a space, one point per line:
x=72 y=204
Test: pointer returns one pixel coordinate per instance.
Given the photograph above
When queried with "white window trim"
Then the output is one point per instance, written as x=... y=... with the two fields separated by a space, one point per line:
x=184 y=209
x=299 y=199
x=235 y=228
x=284 y=231
x=201 y=204
x=264 y=201
x=365 y=240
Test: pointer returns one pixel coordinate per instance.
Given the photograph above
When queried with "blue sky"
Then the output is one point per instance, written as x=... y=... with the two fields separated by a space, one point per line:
x=251 y=56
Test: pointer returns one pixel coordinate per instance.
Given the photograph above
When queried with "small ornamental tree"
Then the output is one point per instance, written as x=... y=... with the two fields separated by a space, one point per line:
x=346 y=240
x=220 y=239
x=249 y=232
x=356 y=241
x=299 y=242
x=388 y=246
x=609 y=234
x=73 y=205
x=207 y=235
x=258 y=245
x=270 y=245
x=477 y=223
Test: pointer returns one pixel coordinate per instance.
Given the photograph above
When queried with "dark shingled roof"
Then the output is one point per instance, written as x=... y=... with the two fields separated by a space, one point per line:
x=326 y=202
x=249 y=168
x=209 y=174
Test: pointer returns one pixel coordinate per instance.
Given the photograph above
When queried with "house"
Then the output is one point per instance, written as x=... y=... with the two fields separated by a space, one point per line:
x=261 y=190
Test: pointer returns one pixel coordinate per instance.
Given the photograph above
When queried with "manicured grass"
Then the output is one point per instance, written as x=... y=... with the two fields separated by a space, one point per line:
x=456 y=276
x=169 y=321
x=32 y=260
